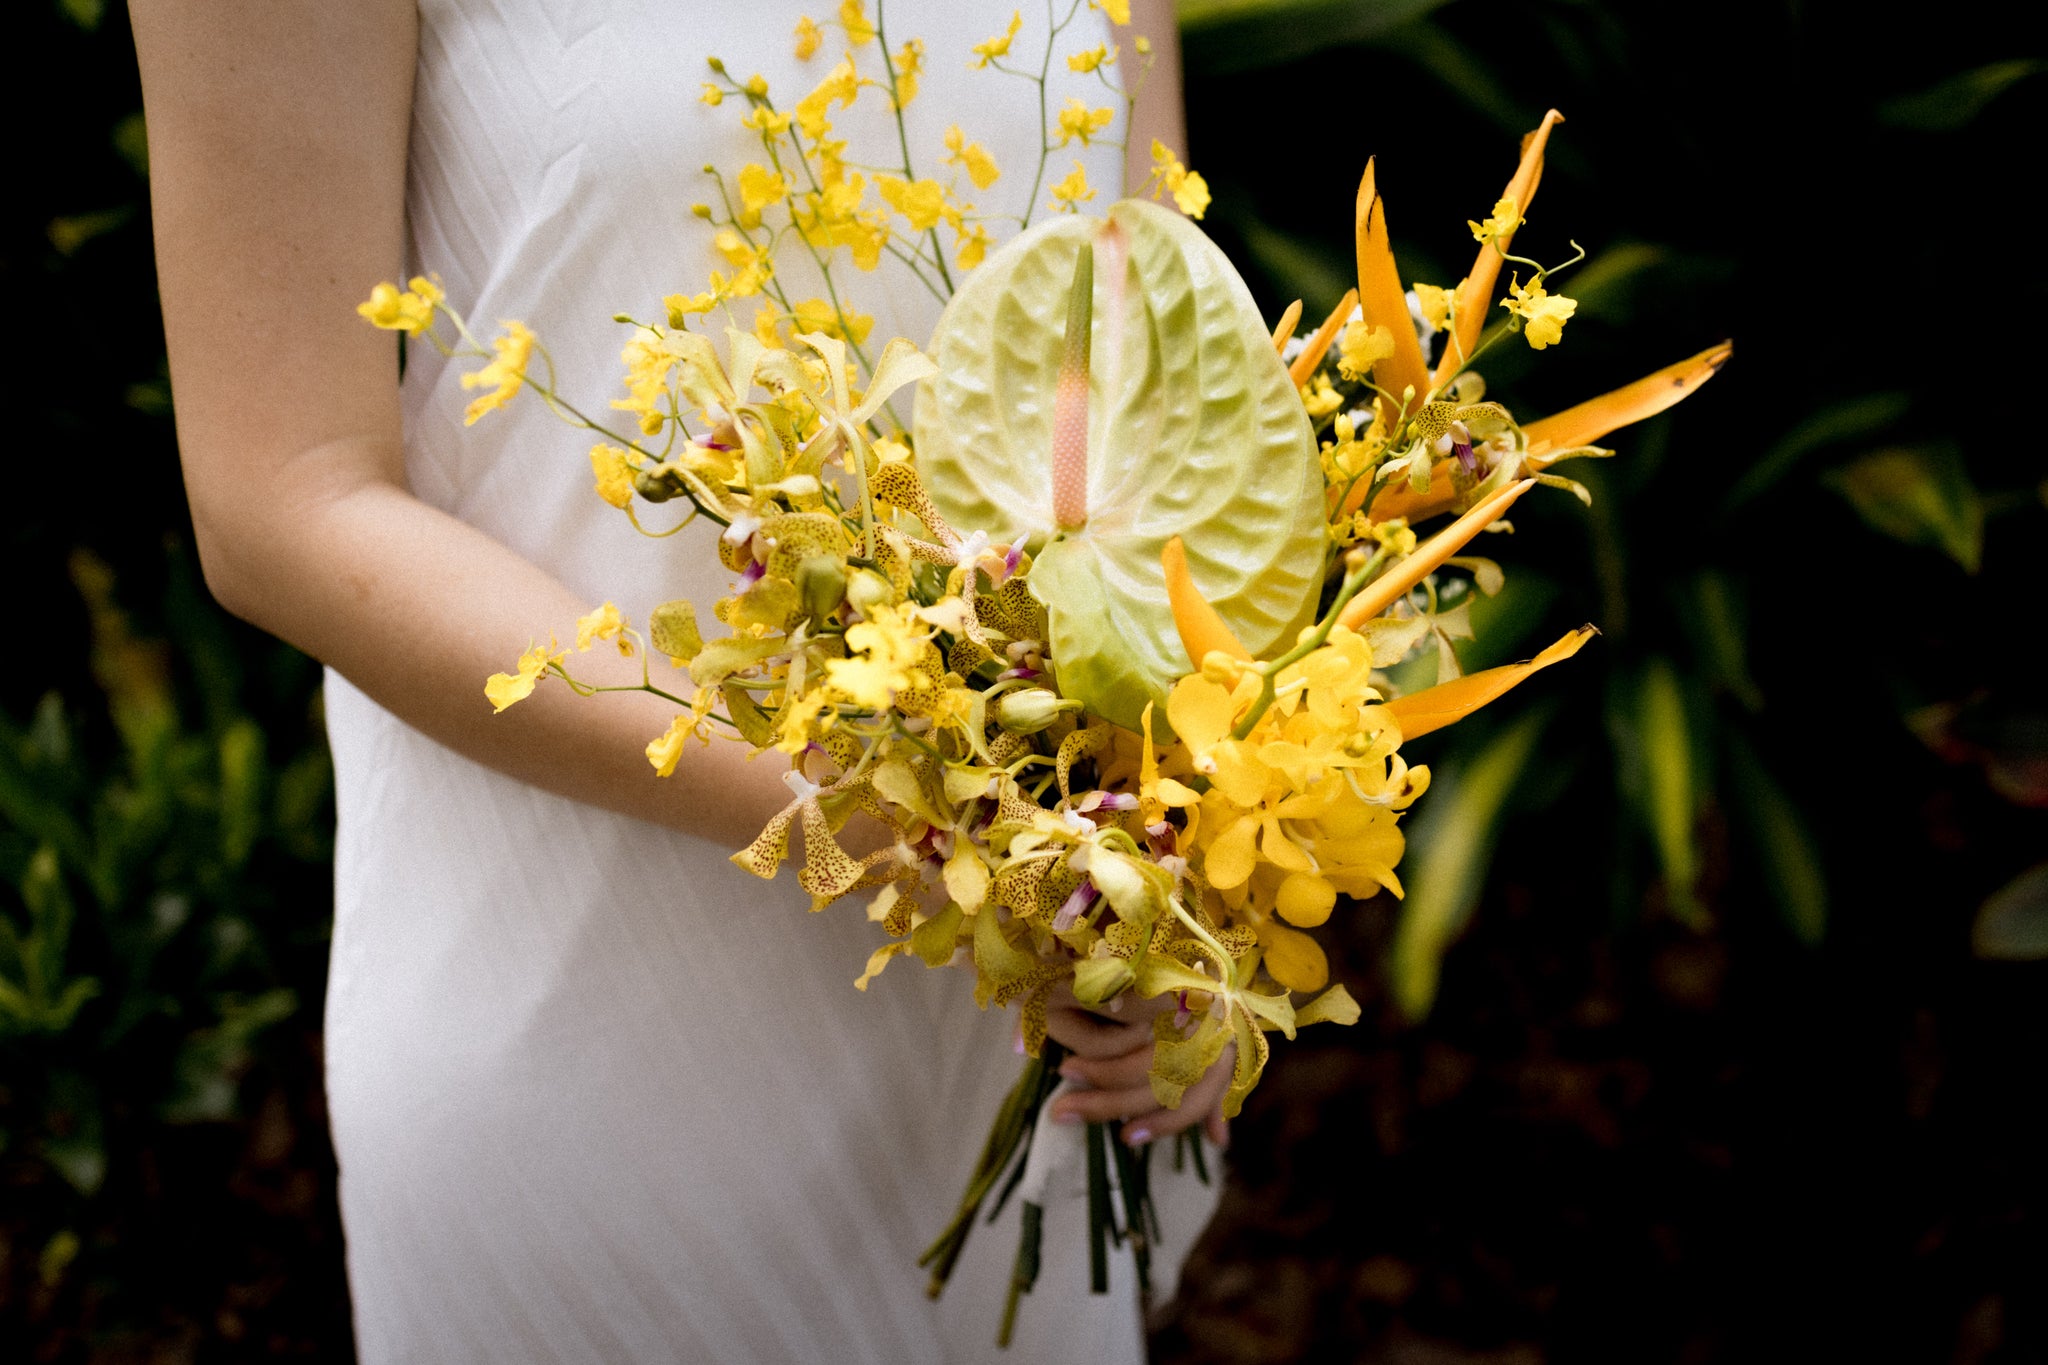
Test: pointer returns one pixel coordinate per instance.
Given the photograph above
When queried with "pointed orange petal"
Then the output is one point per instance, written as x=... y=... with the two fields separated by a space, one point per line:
x=1589 y=421
x=1385 y=300
x=1382 y=592
x=1476 y=297
x=1285 y=329
x=1402 y=501
x=1201 y=629
x=1319 y=345
x=1447 y=703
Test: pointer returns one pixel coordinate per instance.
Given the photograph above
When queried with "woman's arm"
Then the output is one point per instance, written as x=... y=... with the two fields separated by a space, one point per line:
x=278 y=138
x=1160 y=113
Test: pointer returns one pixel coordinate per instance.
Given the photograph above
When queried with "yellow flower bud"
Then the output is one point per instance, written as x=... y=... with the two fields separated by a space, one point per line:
x=1030 y=710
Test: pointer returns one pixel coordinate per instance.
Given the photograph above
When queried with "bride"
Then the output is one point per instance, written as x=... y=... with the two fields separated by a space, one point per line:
x=565 y=1130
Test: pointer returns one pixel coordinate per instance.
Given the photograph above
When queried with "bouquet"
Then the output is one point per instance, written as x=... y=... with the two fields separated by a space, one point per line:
x=1099 y=635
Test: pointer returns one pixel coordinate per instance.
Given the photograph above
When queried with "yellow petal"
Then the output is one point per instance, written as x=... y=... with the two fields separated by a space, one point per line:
x=1385 y=301
x=1319 y=344
x=1305 y=899
x=1201 y=629
x=1447 y=703
x=1475 y=296
x=1295 y=960
x=1285 y=327
x=1589 y=421
x=1382 y=592
x=1230 y=858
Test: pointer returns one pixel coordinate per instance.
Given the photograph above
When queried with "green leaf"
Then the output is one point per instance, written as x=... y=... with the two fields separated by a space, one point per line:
x=1792 y=866
x=1851 y=421
x=1450 y=845
x=1238 y=35
x=1670 y=810
x=241 y=790
x=1951 y=104
x=1194 y=430
x=211 y=1062
x=1922 y=497
x=2012 y=924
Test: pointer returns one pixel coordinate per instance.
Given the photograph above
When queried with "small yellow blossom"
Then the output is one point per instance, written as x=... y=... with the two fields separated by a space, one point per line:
x=1069 y=194
x=840 y=84
x=1362 y=347
x=1319 y=398
x=1190 y=192
x=605 y=623
x=971 y=157
x=648 y=358
x=889 y=646
x=680 y=306
x=1144 y=45
x=923 y=202
x=854 y=16
x=712 y=95
x=759 y=189
x=1394 y=536
x=1543 y=313
x=773 y=122
x=503 y=376
x=909 y=64
x=1077 y=120
x=1437 y=304
x=505 y=688
x=665 y=751
x=1506 y=217
x=614 y=475
x=1119 y=11
x=394 y=311
x=970 y=246
x=818 y=315
x=757 y=86
x=1102 y=54
x=807 y=38
x=998 y=46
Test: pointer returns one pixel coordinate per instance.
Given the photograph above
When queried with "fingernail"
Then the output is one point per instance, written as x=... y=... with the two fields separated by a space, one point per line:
x=1070 y=1070
x=1065 y=1116
x=1137 y=1137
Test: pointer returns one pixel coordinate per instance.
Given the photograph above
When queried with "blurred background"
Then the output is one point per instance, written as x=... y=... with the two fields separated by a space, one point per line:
x=1716 y=1026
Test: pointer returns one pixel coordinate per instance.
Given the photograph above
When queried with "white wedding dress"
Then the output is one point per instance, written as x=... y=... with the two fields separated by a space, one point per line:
x=574 y=1123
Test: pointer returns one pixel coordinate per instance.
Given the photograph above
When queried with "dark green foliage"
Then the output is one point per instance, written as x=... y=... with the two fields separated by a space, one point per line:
x=165 y=817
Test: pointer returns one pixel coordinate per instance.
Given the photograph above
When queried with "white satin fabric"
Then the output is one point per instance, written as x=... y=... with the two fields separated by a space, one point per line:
x=574 y=1122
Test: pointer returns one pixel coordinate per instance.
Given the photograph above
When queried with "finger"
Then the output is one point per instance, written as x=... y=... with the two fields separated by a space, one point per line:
x=1102 y=1106
x=1092 y=1037
x=1217 y=1129
x=1111 y=1073
x=1202 y=1103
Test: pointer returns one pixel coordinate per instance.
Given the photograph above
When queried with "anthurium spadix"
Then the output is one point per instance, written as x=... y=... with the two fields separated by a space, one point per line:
x=1172 y=416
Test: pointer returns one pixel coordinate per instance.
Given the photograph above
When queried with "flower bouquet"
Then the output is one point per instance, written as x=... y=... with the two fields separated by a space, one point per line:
x=1097 y=636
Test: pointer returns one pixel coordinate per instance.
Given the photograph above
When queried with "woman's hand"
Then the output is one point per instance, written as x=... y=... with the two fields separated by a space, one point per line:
x=1111 y=1054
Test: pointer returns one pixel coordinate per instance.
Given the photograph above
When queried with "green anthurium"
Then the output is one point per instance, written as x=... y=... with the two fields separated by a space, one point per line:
x=1191 y=428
